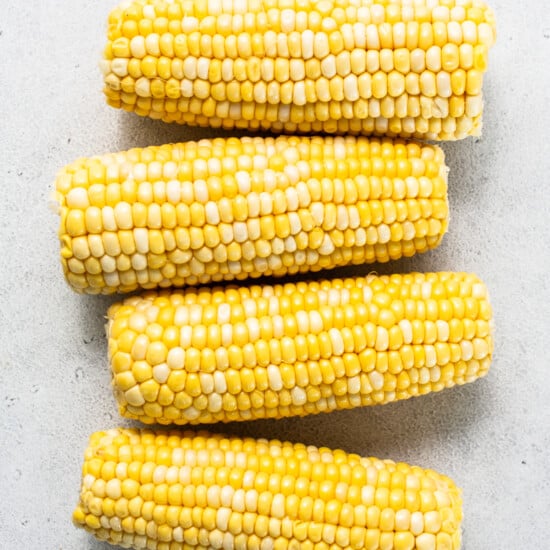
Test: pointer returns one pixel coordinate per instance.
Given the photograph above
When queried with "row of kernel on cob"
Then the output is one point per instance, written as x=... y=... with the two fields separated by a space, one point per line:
x=231 y=209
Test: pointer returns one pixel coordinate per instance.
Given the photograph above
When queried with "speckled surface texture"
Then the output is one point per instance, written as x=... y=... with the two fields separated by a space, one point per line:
x=492 y=437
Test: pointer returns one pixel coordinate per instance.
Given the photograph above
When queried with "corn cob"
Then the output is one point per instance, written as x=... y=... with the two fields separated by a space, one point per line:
x=390 y=67
x=207 y=355
x=233 y=208
x=173 y=491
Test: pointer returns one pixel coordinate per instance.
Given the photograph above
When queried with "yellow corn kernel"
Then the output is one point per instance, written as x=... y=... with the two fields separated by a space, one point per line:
x=210 y=499
x=279 y=65
x=230 y=208
x=298 y=350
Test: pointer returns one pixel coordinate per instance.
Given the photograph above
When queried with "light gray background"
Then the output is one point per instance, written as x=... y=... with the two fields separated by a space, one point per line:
x=492 y=436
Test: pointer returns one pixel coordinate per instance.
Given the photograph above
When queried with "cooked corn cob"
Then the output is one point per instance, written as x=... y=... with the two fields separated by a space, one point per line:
x=391 y=67
x=208 y=355
x=233 y=208
x=173 y=491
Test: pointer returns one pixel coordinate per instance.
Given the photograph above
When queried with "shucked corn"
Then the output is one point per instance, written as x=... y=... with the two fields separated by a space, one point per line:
x=392 y=67
x=207 y=355
x=232 y=208
x=170 y=491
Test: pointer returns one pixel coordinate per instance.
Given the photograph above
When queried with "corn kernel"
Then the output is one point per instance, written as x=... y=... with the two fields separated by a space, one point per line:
x=300 y=363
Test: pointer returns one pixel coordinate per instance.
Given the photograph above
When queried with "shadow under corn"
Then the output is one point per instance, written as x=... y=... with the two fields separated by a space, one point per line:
x=138 y=131
x=405 y=430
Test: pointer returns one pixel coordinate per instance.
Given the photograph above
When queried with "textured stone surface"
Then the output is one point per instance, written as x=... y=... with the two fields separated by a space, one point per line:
x=492 y=437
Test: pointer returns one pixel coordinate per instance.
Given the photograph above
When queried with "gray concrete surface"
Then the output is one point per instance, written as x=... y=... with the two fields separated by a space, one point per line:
x=492 y=437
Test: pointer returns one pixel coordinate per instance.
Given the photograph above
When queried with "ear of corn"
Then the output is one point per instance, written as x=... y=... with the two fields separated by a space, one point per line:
x=233 y=208
x=208 y=355
x=169 y=491
x=392 y=67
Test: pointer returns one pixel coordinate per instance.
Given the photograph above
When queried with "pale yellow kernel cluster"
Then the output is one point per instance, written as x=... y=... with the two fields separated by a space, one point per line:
x=391 y=67
x=224 y=354
x=233 y=208
x=174 y=491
